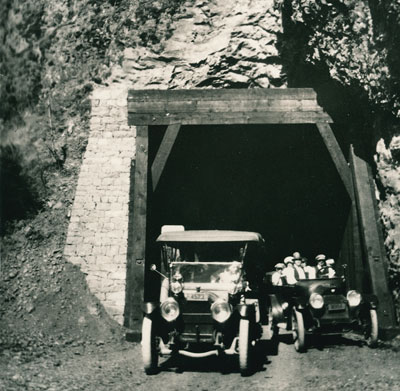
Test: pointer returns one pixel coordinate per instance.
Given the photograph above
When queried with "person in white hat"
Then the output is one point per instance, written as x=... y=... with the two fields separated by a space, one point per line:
x=321 y=266
x=278 y=277
x=329 y=265
x=288 y=272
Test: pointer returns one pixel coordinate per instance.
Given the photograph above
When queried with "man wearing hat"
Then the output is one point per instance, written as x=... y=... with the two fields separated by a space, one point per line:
x=299 y=273
x=322 y=270
x=288 y=272
x=278 y=277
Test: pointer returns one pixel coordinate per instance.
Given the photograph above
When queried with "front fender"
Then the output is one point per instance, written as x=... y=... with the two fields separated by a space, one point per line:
x=371 y=301
x=246 y=311
x=300 y=302
x=149 y=307
x=277 y=310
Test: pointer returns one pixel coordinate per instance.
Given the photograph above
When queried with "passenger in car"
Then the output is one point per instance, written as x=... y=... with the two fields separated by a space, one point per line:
x=329 y=266
x=322 y=270
x=310 y=271
x=288 y=272
x=299 y=272
x=278 y=278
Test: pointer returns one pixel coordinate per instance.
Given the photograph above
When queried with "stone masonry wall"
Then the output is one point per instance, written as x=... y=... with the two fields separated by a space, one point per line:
x=215 y=44
x=98 y=230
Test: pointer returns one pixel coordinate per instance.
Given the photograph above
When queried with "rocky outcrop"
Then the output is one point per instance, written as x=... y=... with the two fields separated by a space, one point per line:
x=215 y=44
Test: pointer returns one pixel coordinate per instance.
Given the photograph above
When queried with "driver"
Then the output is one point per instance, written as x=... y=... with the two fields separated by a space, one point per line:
x=231 y=273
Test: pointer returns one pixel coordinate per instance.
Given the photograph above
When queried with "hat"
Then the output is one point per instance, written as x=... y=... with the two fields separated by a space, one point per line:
x=320 y=257
x=296 y=255
x=330 y=262
x=279 y=266
x=288 y=260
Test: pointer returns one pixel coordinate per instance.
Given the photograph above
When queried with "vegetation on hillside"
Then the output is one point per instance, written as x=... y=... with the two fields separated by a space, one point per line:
x=51 y=55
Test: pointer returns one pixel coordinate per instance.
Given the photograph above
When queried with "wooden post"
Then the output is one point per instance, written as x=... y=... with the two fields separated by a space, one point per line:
x=337 y=156
x=163 y=152
x=136 y=263
x=372 y=239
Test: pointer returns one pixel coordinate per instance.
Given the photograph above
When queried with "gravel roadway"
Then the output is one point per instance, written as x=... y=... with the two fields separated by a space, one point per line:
x=337 y=364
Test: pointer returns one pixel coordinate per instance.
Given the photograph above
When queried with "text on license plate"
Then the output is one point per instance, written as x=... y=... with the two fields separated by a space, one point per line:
x=336 y=306
x=196 y=296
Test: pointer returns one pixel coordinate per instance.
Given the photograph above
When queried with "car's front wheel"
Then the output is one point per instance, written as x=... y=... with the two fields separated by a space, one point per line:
x=149 y=347
x=298 y=331
x=244 y=347
x=371 y=329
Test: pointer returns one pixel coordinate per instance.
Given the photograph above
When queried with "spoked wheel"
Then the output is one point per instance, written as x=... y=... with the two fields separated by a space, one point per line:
x=244 y=347
x=371 y=329
x=149 y=347
x=299 y=334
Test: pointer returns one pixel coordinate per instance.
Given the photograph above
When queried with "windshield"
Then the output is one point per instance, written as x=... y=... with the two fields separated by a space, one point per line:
x=204 y=251
x=199 y=272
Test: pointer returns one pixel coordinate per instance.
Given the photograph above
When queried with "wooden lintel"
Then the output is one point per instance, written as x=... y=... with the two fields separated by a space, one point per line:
x=221 y=94
x=137 y=261
x=227 y=118
x=337 y=156
x=163 y=152
x=372 y=239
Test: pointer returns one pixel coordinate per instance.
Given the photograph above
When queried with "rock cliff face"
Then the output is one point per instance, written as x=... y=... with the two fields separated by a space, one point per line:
x=344 y=49
x=215 y=44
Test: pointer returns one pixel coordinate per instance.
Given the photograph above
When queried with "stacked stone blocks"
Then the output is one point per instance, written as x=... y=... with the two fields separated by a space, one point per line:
x=97 y=238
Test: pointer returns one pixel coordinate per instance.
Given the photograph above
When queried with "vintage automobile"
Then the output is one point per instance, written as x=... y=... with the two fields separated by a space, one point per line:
x=209 y=301
x=323 y=306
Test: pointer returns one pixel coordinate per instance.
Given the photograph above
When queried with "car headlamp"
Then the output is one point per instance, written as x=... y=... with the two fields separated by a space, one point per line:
x=316 y=301
x=176 y=286
x=221 y=310
x=354 y=298
x=170 y=309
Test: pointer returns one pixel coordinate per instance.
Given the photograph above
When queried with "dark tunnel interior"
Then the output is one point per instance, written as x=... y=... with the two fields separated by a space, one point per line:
x=278 y=180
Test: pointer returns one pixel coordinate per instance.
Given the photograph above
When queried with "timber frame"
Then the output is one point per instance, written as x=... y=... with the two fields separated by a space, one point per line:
x=362 y=240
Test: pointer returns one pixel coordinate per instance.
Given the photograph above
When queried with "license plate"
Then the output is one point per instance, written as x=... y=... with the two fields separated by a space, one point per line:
x=196 y=296
x=336 y=307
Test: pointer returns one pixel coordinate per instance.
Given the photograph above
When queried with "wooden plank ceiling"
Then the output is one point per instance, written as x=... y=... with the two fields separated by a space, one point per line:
x=232 y=106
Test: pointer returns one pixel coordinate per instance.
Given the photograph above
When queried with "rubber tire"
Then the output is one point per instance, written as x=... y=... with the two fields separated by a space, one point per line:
x=298 y=330
x=244 y=347
x=372 y=337
x=149 y=348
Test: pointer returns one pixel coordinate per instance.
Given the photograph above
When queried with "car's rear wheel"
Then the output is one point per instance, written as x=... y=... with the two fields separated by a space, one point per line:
x=298 y=330
x=244 y=347
x=149 y=347
x=371 y=329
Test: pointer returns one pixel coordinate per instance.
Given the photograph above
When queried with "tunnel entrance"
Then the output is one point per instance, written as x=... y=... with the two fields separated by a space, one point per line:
x=278 y=180
x=263 y=160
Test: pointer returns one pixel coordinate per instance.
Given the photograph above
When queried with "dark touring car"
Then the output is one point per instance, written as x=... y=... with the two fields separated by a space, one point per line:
x=209 y=303
x=323 y=306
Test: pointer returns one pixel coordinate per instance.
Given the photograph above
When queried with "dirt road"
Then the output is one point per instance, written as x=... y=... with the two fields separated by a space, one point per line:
x=338 y=364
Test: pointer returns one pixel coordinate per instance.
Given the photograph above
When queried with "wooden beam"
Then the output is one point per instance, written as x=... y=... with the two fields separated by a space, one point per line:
x=226 y=118
x=337 y=156
x=222 y=106
x=163 y=152
x=372 y=238
x=221 y=94
x=135 y=277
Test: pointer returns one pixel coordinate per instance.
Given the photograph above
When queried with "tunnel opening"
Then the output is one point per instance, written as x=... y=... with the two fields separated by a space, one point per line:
x=278 y=180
